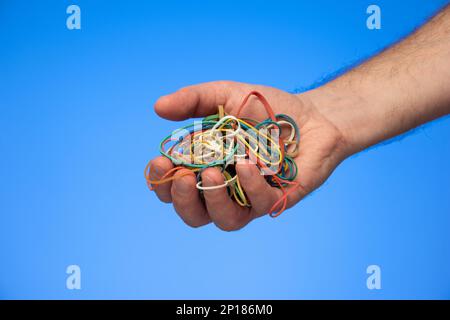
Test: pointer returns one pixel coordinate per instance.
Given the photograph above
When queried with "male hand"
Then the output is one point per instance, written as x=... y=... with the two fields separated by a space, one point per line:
x=321 y=149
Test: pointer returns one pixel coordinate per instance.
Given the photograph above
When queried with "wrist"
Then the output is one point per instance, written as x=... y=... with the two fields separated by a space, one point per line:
x=346 y=111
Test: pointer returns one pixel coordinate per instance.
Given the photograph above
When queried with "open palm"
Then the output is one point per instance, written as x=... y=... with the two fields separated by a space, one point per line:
x=321 y=149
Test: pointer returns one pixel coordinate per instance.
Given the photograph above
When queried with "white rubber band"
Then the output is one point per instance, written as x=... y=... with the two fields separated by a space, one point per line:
x=225 y=184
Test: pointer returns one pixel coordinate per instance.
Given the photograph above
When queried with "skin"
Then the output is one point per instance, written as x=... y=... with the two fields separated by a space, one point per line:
x=403 y=87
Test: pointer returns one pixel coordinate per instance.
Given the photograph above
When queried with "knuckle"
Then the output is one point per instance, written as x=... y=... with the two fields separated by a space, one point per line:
x=253 y=188
x=194 y=224
x=261 y=209
x=231 y=223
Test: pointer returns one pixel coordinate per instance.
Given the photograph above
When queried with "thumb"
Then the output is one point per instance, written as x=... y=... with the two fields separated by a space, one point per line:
x=194 y=101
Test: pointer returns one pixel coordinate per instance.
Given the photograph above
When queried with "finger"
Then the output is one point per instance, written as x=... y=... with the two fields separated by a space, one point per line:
x=159 y=166
x=186 y=200
x=193 y=101
x=224 y=212
x=262 y=196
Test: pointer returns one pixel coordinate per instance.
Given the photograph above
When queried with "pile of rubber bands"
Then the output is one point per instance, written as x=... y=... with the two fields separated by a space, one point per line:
x=221 y=140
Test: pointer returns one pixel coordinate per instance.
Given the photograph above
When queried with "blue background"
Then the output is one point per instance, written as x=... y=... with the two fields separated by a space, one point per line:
x=78 y=128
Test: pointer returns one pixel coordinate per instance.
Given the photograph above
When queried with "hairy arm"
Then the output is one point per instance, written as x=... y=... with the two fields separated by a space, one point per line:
x=403 y=87
x=397 y=90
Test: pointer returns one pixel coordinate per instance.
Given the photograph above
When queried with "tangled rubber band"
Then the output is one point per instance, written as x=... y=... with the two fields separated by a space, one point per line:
x=220 y=140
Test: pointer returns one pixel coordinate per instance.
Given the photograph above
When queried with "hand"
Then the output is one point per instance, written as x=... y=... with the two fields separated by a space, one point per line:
x=386 y=96
x=321 y=149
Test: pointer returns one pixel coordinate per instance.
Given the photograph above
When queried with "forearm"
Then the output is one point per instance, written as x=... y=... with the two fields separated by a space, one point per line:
x=401 y=88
